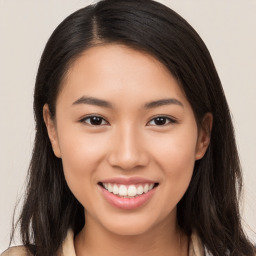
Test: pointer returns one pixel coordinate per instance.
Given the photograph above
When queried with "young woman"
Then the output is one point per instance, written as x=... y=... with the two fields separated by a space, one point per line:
x=134 y=151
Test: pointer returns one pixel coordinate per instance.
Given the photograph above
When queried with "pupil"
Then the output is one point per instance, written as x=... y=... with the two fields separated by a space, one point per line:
x=96 y=120
x=160 y=120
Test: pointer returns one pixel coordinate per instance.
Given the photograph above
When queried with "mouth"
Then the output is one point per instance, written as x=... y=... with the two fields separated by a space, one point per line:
x=128 y=191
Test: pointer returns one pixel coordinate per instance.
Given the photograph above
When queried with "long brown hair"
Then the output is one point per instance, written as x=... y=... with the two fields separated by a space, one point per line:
x=210 y=205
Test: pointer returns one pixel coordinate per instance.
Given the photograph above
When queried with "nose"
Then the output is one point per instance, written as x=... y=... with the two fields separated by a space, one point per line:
x=127 y=149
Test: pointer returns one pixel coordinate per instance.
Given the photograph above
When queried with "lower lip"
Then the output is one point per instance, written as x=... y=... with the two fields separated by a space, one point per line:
x=127 y=203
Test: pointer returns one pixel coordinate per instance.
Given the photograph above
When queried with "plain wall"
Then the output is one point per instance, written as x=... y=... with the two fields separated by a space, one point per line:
x=228 y=27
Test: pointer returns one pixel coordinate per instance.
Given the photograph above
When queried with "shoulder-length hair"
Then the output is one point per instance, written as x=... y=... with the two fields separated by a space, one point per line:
x=210 y=205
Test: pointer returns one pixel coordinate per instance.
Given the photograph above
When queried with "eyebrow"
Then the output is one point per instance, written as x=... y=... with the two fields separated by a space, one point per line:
x=106 y=104
x=93 y=101
x=162 y=102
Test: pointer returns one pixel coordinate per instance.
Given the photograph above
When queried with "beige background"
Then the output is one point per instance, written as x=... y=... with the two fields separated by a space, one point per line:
x=228 y=28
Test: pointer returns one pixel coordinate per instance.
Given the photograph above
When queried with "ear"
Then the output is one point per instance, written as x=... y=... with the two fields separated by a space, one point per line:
x=204 y=136
x=52 y=131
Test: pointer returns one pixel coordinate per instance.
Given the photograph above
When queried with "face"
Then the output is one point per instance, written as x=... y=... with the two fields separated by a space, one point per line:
x=127 y=137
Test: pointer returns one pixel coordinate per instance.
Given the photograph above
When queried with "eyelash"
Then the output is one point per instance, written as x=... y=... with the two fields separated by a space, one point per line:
x=167 y=119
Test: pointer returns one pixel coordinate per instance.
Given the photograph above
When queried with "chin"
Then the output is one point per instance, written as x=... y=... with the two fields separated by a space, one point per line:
x=129 y=226
x=128 y=230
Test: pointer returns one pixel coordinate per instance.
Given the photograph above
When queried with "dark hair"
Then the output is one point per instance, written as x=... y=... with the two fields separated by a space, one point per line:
x=210 y=205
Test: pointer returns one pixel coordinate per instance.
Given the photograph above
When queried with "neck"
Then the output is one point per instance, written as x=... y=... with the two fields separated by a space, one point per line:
x=165 y=239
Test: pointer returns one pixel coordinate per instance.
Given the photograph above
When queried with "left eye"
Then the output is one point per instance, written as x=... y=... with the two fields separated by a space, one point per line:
x=94 y=120
x=161 y=121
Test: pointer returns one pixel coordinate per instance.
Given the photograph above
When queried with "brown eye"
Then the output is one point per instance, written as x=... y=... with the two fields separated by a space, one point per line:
x=94 y=120
x=161 y=121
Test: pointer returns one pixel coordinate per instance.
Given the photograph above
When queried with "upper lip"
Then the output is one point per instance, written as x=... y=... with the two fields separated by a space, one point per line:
x=128 y=180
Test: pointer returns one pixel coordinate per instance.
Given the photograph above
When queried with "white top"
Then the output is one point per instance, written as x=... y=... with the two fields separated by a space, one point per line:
x=68 y=249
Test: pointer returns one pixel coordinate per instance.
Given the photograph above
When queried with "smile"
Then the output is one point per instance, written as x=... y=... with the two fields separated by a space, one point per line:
x=127 y=195
x=128 y=191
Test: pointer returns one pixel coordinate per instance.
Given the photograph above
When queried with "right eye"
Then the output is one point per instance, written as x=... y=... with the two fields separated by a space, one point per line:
x=94 y=120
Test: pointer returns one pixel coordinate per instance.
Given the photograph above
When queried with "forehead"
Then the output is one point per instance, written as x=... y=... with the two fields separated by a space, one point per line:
x=117 y=70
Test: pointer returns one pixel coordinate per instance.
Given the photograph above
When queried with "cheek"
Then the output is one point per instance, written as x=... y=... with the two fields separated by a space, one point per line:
x=177 y=165
x=176 y=152
x=175 y=157
x=80 y=151
x=81 y=154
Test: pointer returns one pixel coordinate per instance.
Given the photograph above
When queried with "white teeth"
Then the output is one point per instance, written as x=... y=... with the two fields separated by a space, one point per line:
x=115 y=189
x=128 y=191
x=122 y=190
x=140 y=190
x=145 y=189
x=110 y=188
x=132 y=191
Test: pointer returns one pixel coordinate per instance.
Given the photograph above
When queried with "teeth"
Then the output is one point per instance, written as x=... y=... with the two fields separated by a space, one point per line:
x=126 y=191
x=115 y=189
x=132 y=191
x=122 y=191
x=145 y=189
x=140 y=190
x=109 y=188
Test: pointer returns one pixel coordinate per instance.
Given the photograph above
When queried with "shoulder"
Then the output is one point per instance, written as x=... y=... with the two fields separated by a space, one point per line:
x=196 y=247
x=16 y=251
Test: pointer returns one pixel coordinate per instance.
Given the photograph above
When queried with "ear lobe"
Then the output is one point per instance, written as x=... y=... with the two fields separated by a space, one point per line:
x=204 y=136
x=51 y=129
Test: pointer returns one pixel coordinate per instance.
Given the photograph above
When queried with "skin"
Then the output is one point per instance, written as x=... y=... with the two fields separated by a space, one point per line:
x=128 y=142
